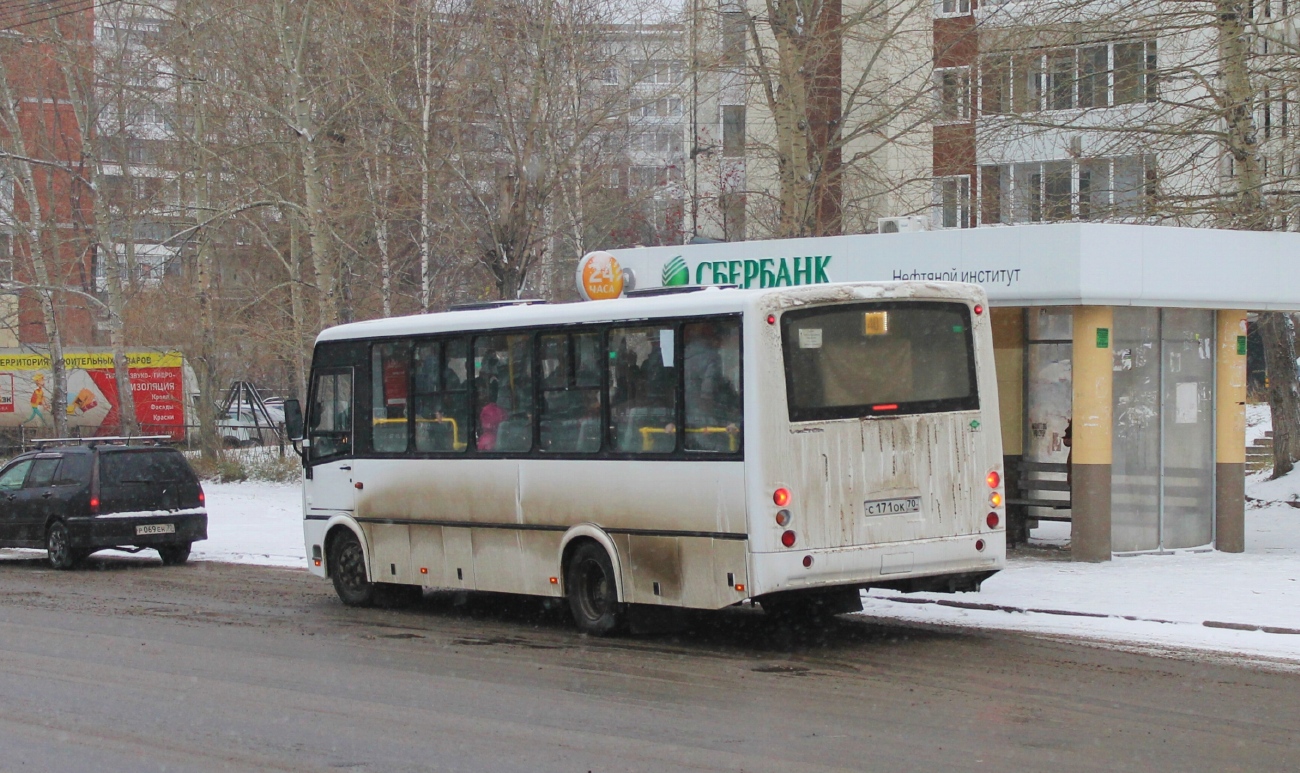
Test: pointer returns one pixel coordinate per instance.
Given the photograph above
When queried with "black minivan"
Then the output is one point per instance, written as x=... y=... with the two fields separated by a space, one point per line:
x=76 y=499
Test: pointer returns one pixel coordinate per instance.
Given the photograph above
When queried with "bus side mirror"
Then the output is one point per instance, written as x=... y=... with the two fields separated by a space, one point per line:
x=293 y=418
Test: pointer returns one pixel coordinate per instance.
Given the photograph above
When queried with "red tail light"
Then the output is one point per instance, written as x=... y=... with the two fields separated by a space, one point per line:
x=781 y=497
x=787 y=538
x=885 y=407
x=992 y=520
x=978 y=309
x=994 y=479
x=94 y=505
x=202 y=498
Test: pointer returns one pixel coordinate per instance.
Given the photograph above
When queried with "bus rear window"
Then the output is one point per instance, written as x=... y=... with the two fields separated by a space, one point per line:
x=879 y=359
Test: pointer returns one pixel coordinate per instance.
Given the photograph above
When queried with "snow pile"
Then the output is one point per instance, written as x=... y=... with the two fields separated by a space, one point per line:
x=1246 y=603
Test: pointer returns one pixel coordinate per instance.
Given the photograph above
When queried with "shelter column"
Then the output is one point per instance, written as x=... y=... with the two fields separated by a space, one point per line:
x=1090 y=450
x=1230 y=433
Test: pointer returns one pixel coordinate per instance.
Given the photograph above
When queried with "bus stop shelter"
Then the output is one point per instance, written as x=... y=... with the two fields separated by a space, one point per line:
x=1120 y=352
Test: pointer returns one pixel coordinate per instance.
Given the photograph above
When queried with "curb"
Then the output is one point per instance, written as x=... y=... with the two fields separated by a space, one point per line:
x=1068 y=613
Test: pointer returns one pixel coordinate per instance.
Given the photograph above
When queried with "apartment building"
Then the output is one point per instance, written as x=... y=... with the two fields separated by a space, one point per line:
x=1051 y=111
x=45 y=204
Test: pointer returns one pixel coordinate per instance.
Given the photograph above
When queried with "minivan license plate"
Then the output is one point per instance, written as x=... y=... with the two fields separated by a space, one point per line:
x=899 y=506
x=156 y=528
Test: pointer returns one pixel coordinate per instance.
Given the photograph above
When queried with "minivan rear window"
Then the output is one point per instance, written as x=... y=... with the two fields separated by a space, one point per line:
x=133 y=467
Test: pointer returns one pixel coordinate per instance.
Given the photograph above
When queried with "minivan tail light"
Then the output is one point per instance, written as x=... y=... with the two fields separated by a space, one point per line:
x=94 y=505
x=202 y=498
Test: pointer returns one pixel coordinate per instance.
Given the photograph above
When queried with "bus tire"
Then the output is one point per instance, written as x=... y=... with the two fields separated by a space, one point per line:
x=348 y=571
x=592 y=590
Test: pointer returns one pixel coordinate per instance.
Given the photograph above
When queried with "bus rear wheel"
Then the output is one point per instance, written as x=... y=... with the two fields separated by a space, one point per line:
x=348 y=571
x=592 y=589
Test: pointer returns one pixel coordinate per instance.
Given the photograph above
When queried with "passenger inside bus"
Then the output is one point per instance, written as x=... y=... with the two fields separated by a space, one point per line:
x=712 y=373
x=490 y=418
x=643 y=388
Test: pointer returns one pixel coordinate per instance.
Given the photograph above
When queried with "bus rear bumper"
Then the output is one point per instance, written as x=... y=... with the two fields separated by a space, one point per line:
x=950 y=563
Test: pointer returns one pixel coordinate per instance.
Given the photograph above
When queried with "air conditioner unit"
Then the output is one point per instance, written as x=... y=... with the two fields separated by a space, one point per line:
x=905 y=224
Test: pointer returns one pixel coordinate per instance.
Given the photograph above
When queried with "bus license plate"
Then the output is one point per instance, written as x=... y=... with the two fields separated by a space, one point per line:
x=899 y=506
x=156 y=528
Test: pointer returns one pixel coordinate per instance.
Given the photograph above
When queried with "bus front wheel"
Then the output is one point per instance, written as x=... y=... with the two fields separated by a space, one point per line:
x=593 y=591
x=348 y=571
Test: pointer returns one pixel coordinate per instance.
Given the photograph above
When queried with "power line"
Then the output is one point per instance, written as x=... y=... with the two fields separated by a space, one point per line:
x=23 y=13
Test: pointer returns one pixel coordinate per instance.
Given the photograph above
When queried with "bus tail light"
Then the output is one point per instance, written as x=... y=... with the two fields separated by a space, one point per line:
x=807 y=561
x=979 y=545
x=787 y=538
x=781 y=497
x=771 y=319
x=993 y=479
x=978 y=309
x=782 y=517
x=995 y=499
x=992 y=520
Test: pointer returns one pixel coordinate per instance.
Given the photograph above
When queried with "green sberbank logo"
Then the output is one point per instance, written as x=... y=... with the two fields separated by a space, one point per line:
x=765 y=272
x=676 y=273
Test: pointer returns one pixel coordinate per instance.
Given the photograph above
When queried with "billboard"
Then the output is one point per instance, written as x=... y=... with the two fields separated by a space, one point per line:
x=157 y=381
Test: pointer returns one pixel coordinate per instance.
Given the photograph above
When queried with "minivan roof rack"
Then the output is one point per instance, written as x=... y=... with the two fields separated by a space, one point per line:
x=479 y=305
x=650 y=292
x=93 y=441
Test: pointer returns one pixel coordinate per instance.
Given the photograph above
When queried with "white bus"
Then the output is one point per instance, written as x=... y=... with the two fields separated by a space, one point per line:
x=695 y=448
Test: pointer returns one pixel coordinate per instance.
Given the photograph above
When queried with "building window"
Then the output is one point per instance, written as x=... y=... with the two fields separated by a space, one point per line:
x=952 y=202
x=1027 y=82
x=658 y=141
x=1089 y=189
x=733 y=130
x=6 y=258
x=735 y=34
x=1062 y=79
x=995 y=195
x=952 y=7
x=663 y=72
x=952 y=90
x=1135 y=76
x=1094 y=87
x=995 y=85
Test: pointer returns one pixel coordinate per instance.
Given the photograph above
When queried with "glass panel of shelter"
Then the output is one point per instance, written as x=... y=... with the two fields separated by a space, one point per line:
x=1162 y=493
x=1049 y=395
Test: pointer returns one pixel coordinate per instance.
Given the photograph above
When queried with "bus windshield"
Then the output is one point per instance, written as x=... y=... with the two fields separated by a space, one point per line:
x=882 y=358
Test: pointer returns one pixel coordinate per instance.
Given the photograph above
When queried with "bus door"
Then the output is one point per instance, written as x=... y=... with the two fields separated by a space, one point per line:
x=330 y=440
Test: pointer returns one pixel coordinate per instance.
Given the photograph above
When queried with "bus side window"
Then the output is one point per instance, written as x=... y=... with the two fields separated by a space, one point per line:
x=441 y=396
x=714 y=413
x=330 y=425
x=643 y=390
x=569 y=412
x=503 y=384
x=391 y=380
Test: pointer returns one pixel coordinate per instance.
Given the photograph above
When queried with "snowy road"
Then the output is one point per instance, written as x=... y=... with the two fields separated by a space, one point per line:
x=213 y=666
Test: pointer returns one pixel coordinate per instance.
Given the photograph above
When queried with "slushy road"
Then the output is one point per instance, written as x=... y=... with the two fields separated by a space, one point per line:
x=131 y=666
